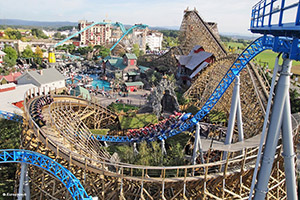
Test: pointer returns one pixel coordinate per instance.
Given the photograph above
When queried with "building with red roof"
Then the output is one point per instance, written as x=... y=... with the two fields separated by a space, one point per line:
x=11 y=78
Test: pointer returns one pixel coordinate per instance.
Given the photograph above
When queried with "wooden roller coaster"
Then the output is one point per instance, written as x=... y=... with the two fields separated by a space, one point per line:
x=60 y=130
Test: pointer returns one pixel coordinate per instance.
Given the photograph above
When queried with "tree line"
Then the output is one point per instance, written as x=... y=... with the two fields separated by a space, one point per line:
x=10 y=133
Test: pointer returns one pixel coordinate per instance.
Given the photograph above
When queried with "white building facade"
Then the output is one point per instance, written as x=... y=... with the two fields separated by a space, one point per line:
x=99 y=34
x=154 y=40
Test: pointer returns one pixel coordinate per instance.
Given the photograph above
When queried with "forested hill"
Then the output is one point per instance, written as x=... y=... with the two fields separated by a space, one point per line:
x=19 y=22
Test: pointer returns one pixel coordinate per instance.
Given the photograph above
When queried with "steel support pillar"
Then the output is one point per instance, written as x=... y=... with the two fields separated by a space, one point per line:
x=135 y=151
x=197 y=146
x=276 y=122
x=288 y=150
x=235 y=106
x=235 y=111
x=163 y=148
x=266 y=120
x=26 y=184
x=22 y=178
x=239 y=119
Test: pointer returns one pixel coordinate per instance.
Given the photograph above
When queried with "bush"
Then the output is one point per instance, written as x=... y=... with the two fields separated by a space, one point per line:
x=99 y=131
x=10 y=139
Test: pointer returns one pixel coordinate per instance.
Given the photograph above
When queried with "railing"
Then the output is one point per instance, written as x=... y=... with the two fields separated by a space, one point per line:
x=276 y=17
x=147 y=173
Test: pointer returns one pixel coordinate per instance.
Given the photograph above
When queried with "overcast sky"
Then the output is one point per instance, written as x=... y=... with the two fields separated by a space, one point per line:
x=232 y=16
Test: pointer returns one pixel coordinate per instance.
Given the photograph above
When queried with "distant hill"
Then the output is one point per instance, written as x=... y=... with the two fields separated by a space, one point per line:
x=164 y=28
x=249 y=36
x=19 y=22
x=57 y=24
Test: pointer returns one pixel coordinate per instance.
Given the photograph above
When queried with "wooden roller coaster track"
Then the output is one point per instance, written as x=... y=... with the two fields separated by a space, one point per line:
x=103 y=177
x=65 y=137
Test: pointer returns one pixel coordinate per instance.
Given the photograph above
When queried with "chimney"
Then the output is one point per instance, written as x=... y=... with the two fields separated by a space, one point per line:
x=41 y=72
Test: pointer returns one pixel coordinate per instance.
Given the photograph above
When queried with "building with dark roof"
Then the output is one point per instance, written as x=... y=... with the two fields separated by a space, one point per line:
x=43 y=78
x=193 y=63
x=125 y=67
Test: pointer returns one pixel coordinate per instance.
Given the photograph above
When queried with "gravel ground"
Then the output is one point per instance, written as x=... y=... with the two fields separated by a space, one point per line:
x=134 y=98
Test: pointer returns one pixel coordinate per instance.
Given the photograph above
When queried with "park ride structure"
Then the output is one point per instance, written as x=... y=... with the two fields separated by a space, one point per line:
x=51 y=55
x=216 y=178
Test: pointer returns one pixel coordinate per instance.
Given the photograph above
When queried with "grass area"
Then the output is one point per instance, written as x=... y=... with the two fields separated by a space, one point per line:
x=234 y=44
x=137 y=121
x=99 y=131
x=117 y=107
x=268 y=58
x=181 y=138
x=265 y=58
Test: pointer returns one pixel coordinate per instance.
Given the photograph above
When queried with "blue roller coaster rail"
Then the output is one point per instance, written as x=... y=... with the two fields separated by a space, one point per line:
x=10 y=116
x=141 y=26
x=65 y=176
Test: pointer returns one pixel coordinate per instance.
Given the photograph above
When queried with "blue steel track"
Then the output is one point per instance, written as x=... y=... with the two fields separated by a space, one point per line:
x=65 y=176
x=261 y=44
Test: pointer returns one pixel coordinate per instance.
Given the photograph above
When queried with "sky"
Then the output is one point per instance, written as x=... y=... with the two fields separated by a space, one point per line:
x=232 y=16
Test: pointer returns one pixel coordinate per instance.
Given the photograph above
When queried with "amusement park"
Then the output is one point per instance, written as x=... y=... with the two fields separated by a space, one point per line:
x=196 y=120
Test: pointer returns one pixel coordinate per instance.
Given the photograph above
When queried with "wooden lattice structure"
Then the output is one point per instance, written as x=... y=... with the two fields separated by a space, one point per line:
x=253 y=98
x=65 y=138
x=103 y=177
x=195 y=31
x=168 y=59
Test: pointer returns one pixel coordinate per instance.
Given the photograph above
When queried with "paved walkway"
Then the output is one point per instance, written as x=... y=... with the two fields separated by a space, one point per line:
x=134 y=98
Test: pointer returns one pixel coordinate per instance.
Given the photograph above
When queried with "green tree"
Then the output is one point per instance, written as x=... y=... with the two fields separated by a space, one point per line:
x=156 y=154
x=38 y=54
x=175 y=156
x=10 y=132
x=102 y=51
x=27 y=53
x=13 y=34
x=10 y=57
x=136 y=50
x=64 y=28
x=154 y=77
x=84 y=50
x=144 y=156
x=58 y=35
x=170 y=41
x=38 y=33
